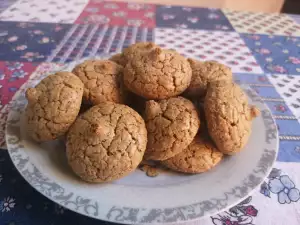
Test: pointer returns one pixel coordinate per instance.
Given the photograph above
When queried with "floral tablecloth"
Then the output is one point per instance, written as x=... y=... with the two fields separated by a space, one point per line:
x=263 y=51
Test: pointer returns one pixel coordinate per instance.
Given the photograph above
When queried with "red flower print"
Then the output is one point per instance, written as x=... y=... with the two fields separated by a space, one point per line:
x=179 y=46
x=210 y=52
x=264 y=51
x=233 y=62
x=202 y=56
x=280 y=108
x=250 y=210
x=262 y=78
x=228 y=222
x=279 y=69
x=248 y=69
x=220 y=57
x=294 y=60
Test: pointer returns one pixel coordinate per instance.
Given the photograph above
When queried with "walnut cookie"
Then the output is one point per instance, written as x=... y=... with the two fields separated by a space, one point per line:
x=53 y=106
x=158 y=74
x=200 y=156
x=204 y=73
x=229 y=117
x=172 y=125
x=106 y=143
x=103 y=81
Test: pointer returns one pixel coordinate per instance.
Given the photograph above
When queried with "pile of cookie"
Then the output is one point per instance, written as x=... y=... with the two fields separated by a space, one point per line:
x=140 y=105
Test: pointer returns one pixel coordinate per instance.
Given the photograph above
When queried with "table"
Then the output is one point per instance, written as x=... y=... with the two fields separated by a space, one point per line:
x=263 y=51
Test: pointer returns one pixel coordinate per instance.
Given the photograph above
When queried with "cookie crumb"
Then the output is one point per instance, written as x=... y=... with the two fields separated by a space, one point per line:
x=254 y=111
x=150 y=170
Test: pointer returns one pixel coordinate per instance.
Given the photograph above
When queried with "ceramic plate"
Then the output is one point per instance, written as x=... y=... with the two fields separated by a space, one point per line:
x=169 y=197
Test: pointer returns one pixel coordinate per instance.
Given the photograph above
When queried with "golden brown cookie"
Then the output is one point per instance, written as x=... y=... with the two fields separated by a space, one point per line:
x=53 y=106
x=158 y=74
x=119 y=59
x=106 y=143
x=172 y=125
x=229 y=117
x=136 y=49
x=103 y=81
x=201 y=155
x=203 y=73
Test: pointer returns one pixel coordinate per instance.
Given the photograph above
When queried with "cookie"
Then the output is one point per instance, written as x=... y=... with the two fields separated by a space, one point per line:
x=106 y=143
x=53 y=106
x=119 y=59
x=137 y=49
x=172 y=125
x=158 y=74
x=228 y=115
x=103 y=81
x=204 y=73
x=200 y=156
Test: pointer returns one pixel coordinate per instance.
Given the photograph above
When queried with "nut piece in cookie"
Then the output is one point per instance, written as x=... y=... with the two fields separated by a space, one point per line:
x=158 y=74
x=119 y=59
x=106 y=143
x=53 y=106
x=136 y=49
x=172 y=125
x=229 y=117
x=204 y=73
x=102 y=79
x=201 y=155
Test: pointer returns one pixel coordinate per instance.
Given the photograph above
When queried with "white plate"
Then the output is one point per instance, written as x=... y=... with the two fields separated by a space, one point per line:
x=170 y=197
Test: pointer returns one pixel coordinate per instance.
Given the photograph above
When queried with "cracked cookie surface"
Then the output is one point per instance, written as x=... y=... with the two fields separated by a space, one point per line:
x=203 y=73
x=106 y=143
x=158 y=74
x=103 y=81
x=171 y=124
x=201 y=155
x=53 y=106
x=137 y=49
x=228 y=115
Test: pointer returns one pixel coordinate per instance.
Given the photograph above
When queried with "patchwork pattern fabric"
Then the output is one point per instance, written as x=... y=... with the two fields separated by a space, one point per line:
x=289 y=88
x=260 y=23
x=225 y=47
x=41 y=37
x=29 y=42
x=192 y=18
x=275 y=54
x=118 y=13
x=53 y=11
x=90 y=40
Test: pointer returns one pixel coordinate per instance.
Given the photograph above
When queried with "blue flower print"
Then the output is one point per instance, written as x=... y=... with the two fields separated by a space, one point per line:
x=19 y=74
x=14 y=66
x=285 y=189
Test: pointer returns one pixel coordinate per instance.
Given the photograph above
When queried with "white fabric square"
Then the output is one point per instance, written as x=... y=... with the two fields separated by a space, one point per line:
x=225 y=47
x=53 y=11
x=262 y=23
x=288 y=87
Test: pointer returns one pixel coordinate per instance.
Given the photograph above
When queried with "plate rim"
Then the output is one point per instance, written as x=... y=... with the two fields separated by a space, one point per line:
x=89 y=208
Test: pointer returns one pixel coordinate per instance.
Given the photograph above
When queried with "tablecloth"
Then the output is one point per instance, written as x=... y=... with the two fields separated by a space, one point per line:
x=263 y=51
